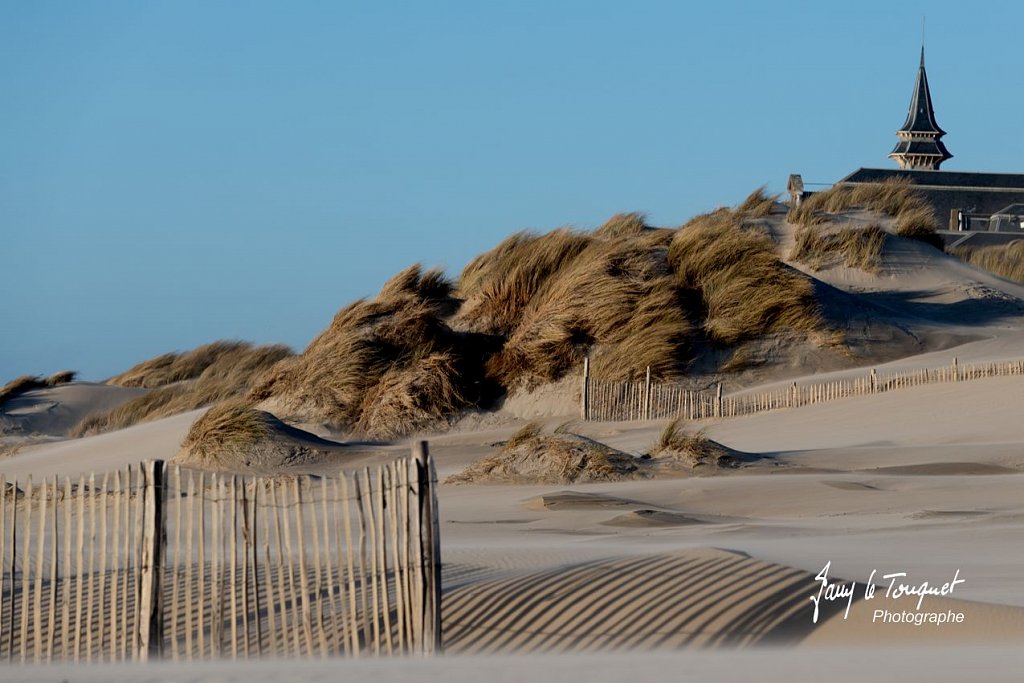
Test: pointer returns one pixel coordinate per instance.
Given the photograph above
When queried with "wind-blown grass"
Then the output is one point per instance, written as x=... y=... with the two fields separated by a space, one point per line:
x=744 y=289
x=1004 y=260
x=896 y=197
x=20 y=385
x=384 y=367
x=820 y=247
x=758 y=204
x=185 y=381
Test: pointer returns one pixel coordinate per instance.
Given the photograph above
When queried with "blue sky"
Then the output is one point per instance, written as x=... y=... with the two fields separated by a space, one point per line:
x=172 y=173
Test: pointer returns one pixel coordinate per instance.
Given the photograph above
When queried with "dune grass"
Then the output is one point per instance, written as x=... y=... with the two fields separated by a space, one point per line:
x=20 y=385
x=692 y=449
x=623 y=225
x=819 y=247
x=234 y=436
x=758 y=204
x=530 y=430
x=185 y=381
x=1004 y=260
x=533 y=458
x=743 y=288
x=616 y=300
x=526 y=313
x=913 y=217
x=387 y=366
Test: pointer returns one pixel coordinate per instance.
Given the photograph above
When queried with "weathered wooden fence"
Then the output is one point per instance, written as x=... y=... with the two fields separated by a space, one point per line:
x=161 y=561
x=645 y=400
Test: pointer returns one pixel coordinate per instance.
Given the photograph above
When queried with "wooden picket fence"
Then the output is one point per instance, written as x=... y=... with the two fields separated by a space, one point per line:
x=645 y=400
x=161 y=561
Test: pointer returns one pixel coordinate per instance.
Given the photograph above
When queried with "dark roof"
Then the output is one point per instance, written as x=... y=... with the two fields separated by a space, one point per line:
x=949 y=179
x=921 y=115
x=922 y=147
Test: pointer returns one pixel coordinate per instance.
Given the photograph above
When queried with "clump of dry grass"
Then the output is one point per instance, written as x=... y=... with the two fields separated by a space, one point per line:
x=498 y=285
x=551 y=459
x=175 y=367
x=896 y=197
x=62 y=377
x=1004 y=260
x=919 y=224
x=228 y=427
x=623 y=225
x=758 y=204
x=617 y=301
x=819 y=247
x=26 y=383
x=233 y=436
x=384 y=367
x=182 y=382
x=677 y=446
x=530 y=430
x=744 y=289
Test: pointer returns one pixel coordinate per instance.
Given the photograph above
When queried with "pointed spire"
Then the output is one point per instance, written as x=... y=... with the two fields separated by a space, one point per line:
x=920 y=145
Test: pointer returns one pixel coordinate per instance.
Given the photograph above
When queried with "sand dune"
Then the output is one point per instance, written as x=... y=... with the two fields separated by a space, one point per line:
x=698 y=598
x=54 y=411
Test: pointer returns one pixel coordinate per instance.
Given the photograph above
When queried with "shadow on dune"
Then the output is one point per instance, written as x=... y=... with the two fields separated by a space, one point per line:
x=699 y=598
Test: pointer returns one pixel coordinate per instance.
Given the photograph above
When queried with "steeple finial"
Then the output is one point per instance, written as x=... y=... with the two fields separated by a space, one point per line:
x=923 y=18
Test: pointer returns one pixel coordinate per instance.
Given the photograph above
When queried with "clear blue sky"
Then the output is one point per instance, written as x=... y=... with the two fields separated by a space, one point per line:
x=172 y=173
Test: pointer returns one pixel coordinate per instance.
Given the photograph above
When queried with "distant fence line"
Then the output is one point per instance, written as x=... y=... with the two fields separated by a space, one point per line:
x=605 y=400
x=160 y=561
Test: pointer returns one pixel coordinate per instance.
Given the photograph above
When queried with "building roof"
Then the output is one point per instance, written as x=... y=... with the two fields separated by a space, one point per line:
x=944 y=179
x=921 y=115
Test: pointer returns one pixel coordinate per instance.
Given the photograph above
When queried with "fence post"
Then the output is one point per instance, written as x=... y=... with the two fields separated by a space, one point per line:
x=149 y=637
x=430 y=548
x=585 y=393
x=956 y=370
x=874 y=381
x=718 y=401
x=647 y=395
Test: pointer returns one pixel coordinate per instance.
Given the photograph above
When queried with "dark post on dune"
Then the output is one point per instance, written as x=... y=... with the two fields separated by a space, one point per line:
x=151 y=621
x=430 y=547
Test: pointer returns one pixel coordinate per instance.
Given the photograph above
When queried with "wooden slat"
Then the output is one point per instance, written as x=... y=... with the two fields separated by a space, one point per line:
x=342 y=483
x=102 y=577
x=273 y=601
x=51 y=618
x=334 y=598
x=307 y=625
x=3 y=558
x=254 y=552
x=232 y=539
x=287 y=560
x=216 y=578
x=14 y=559
x=382 y=557
x=314 y=533
x=115 y=570
x=37 y=598
x=26 y=566
x=175 y=569
x=371 y=534
x=246 y=609
x=191 y=541
x=201 y=568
